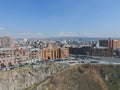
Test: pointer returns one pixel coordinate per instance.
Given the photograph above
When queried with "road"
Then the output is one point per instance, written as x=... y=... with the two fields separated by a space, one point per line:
x=72 y=60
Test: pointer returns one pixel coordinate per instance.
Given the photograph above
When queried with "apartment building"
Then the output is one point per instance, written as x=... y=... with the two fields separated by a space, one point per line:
x=6 y=57
x=21 y=55
x=35 y=54
x=6 y=42
x=110 y=43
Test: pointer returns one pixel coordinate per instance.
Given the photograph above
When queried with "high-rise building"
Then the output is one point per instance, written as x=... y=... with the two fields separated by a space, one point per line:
x=5 y=42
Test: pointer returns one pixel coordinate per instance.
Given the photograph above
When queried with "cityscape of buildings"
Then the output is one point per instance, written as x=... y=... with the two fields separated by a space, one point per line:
x=29 y=51
x=59 y=45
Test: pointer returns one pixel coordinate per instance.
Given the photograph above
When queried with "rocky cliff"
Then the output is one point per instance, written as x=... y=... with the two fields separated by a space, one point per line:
x=85 y=77
x=24 y=77
x=62 y=77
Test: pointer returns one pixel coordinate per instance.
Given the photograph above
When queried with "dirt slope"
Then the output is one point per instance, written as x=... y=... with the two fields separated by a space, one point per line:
x=84 y=77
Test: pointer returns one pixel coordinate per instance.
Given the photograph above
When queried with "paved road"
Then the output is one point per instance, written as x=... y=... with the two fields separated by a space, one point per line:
x=81 y=59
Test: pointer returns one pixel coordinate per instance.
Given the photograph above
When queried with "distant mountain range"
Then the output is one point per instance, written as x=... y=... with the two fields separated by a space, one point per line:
x=74 y=38
x=67 y=38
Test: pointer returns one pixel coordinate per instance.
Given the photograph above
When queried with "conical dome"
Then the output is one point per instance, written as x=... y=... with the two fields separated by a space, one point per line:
x=50 y=46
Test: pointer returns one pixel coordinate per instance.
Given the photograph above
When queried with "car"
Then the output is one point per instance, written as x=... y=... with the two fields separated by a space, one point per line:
x=12 y=67
x=21 y=65
x=39 y=61
x=32 y=63
x=26 y=63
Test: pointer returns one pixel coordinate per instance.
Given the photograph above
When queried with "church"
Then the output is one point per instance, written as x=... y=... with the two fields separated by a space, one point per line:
x=52 y=52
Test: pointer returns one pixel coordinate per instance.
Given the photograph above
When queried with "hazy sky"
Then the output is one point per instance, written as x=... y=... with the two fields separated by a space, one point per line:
x=43 y=18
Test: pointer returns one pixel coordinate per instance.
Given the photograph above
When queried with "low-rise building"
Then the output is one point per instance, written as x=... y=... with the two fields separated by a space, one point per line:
x=21 y=55
x=6 y=57
x=35 y=54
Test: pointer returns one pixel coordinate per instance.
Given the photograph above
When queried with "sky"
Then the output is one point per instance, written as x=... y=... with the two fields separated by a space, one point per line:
x=53 y=18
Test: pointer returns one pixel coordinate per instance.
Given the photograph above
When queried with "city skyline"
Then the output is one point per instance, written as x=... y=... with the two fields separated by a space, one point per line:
x=57 y=18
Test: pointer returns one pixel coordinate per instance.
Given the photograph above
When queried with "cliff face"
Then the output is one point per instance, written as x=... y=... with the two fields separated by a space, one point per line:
x=62 y=77
x=85 y=77
x=75 y=78
x=19 y=79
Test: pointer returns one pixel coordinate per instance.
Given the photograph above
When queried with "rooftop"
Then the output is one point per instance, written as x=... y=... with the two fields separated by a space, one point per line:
x=6 y=49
